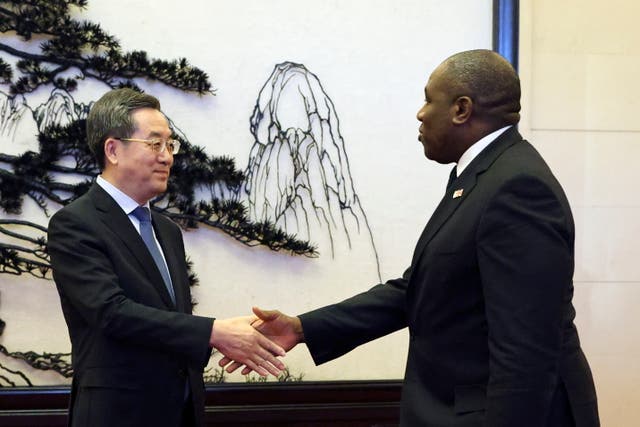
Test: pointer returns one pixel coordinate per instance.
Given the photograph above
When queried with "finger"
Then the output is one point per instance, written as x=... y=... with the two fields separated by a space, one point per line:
x=267 y=362
x=246 y=371
x=233 y=367
x=267 y=358
x=274 y=361
x=265 y=315
x=256 y=367
x=229 y=365
x=271 y=347
x=270 y=367
x=273 y=370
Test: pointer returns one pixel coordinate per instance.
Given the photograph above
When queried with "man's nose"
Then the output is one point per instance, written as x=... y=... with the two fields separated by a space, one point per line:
x=166 y=156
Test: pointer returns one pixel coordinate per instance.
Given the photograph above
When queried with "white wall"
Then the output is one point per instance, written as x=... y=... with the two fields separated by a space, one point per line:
x=580 y=62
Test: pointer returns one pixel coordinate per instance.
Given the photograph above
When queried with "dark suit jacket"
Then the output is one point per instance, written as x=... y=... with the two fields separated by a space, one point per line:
x=487 y=300
x=132 y=349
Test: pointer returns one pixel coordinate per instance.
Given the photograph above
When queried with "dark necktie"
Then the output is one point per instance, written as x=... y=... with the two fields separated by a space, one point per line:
x=452 y=177
x=146 y=231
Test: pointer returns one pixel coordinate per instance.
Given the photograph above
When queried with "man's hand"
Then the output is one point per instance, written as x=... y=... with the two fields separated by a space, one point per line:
x=286 y=331
x=238 y=340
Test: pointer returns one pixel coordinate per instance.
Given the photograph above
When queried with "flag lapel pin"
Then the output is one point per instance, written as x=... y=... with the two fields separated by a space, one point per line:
x=458 y=193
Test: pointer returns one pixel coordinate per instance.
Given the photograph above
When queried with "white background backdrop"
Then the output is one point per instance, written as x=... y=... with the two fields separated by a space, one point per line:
x=373 y=58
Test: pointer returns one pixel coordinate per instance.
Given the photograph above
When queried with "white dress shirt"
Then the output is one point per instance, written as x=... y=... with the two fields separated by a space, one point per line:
x=477 y=148
x=127 y=204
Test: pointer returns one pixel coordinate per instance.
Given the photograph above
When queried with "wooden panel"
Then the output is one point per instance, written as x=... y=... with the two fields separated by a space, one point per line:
x=308 y=404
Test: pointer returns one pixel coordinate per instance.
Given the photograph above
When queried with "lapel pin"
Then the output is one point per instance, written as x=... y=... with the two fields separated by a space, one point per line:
x=458 y=193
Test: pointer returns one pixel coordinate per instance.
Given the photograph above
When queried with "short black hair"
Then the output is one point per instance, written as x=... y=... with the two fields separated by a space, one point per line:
x=489 y=80
x=110 y=116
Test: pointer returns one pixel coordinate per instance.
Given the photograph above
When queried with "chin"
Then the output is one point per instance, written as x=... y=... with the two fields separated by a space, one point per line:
x=159 y=189
x=429 y=155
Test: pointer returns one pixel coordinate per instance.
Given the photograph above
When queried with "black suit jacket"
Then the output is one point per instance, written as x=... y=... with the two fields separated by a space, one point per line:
x=132 y=348
x=487 y=299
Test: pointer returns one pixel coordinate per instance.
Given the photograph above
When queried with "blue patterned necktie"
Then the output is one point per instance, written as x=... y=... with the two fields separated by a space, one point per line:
x=146 y=231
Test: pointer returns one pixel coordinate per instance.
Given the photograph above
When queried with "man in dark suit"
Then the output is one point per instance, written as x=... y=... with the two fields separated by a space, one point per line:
x=138 y=353
x=487 y=297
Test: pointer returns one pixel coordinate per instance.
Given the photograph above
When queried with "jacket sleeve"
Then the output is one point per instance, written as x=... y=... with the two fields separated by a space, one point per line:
x=336 y=329
x=525 y=255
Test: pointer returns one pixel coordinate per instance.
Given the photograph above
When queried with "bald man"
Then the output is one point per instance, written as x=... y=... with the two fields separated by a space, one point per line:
x=487 y=296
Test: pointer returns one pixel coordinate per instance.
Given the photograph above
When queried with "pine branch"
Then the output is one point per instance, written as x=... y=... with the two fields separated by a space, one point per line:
x=18 y=373
x=58 y=362
x=245 y=232
x=16 y=259
x=84 y=46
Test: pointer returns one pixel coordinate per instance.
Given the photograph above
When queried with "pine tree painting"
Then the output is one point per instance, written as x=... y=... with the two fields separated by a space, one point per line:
x=46 y=57
x=294 y=196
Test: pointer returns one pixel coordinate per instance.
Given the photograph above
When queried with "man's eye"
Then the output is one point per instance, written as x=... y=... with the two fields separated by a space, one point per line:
x=156 y=145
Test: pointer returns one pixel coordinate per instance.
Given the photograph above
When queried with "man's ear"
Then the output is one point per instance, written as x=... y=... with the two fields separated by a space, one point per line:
x=110 y=155
x=463 y=107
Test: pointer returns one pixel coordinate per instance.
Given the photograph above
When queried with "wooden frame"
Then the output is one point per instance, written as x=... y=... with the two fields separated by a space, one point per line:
x=308 y=404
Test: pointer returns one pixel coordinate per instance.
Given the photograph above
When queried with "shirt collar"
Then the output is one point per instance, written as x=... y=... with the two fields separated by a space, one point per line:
x=126 y=203
x=477 y=148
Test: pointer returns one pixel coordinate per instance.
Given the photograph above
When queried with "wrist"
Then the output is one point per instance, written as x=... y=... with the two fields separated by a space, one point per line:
x=297 y=329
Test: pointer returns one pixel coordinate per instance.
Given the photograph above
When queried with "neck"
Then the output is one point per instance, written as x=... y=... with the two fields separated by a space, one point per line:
x=112 y=179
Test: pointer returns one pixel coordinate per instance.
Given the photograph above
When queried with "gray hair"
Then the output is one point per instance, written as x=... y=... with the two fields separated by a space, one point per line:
x=110 y=116
x=489 y=80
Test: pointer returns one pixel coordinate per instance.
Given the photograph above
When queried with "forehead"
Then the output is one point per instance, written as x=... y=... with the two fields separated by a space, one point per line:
x=437 y=83
x=150 y=122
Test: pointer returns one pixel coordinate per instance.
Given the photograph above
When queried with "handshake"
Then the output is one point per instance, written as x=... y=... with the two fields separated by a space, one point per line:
x=257 y=341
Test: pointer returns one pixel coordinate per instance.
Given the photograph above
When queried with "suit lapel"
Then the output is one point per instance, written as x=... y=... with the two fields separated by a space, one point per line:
x=462 y=187
x=115 y=219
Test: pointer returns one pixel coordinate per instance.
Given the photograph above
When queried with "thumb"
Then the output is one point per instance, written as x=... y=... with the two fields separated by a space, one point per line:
x=266 y=315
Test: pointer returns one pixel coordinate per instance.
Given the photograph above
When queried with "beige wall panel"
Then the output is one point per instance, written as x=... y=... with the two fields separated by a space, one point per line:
x=589 y=92
x=580 y=66
x=608 y=322
x=612 y=92
x=575 y=26
x=611 y=169
x=607 y=244
x=557 y=92
x=598 y=181
x=595 y=168
x=566 y=155
x=608 y=319
x=617 y=381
